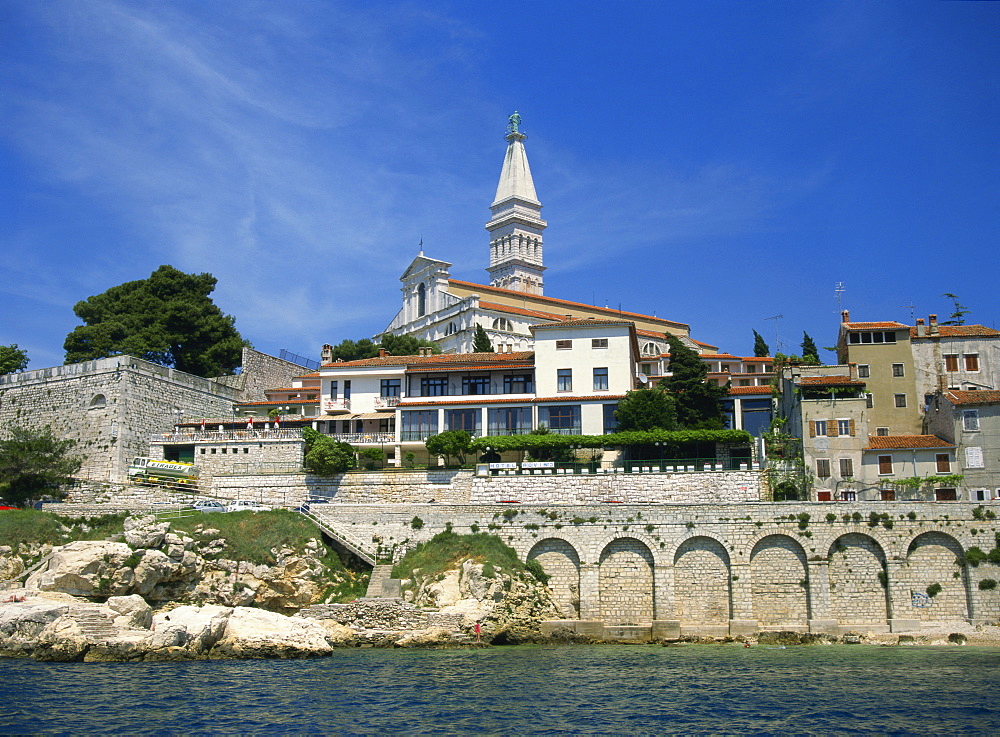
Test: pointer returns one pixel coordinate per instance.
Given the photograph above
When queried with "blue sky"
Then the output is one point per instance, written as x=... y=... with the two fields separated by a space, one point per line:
x=714 y=163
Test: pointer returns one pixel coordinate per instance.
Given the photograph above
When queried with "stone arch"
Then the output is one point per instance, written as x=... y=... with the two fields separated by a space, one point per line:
x=98 y=401
x=702 y=581
x=626 y=582
x=857 y=576
x=932 y=558
x=561 y=562
x=779 y=581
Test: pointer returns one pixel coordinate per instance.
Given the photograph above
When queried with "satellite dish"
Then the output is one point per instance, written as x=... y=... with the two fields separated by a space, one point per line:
x=643 y=378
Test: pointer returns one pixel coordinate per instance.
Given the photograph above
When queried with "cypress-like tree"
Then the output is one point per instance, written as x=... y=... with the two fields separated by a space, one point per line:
x=760 y=348
x=481 y=342
x=810 y=353
x=698 y=403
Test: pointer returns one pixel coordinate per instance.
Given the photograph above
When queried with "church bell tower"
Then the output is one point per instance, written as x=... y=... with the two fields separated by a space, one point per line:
x=516 y=225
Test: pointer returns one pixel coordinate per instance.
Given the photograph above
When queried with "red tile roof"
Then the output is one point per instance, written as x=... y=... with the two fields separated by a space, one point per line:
x=440 y=359
x=521 y=311
x=586 y=322
x=958 y=331
x=556 y=302
x=980 y=396
x=906 y=442
x=890 y=325
x=740 y=390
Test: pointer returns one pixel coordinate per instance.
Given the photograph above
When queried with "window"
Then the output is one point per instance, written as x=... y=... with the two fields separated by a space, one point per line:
x=885 y=465
x=476 y=385
x=333 y=390
x=99 y=401
x=509 y=420
x=562 y=420
x=970 y=420
x=610 y=421
x=945 y=495
x=900 y=400
x=978 y=495
x=819 y=428
x=848 y=495
x=390 y=388
x=897 y=369
x=564 y=380
x=502 y=323
x=876 y=336
x=421 y=300
x=974 y=458
x=600 y=379
x=846 y=468
x=743 y=382
x=599 y=343
x=418 y=424
x=433 y=386
x=881 y=431
x=887 y=495
x=517 y=384
x=451 y=329
x=844 y=427
x=646 y=368
x=347 y=389
x=564 y=345
x=942 y=462
x=951 y=362
x=650 y=349
x=864 y=371
x=463 y=419
x=751 y=369
x=869 y=400
x=823 y=468
x=971 y=361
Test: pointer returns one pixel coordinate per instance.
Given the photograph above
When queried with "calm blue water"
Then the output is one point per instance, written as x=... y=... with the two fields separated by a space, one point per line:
x=536 y=690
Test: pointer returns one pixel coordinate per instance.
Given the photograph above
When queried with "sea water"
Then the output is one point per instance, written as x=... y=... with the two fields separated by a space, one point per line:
x=694 y=689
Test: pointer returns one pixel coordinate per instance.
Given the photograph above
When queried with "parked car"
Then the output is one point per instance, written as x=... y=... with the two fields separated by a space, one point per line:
x=245 y=505
x=209 y=505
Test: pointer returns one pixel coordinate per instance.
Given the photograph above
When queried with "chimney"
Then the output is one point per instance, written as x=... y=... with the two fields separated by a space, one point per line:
x=382 y=353
x=921 y=328
x=845 y=316
x=326 y=355
x=932 y=319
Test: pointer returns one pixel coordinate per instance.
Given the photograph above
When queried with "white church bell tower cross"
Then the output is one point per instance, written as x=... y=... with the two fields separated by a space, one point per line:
x=516 y=226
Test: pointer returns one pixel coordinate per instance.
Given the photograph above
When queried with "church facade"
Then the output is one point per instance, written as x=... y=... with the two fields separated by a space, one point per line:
x=446 y=310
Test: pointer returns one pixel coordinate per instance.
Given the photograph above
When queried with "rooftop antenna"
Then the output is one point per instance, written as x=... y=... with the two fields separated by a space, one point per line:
x=839 y=289
x=777 y=339
x=911 y=308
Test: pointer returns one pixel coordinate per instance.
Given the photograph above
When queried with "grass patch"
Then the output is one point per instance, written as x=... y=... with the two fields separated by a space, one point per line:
x=29 y=526
x=250 y=536
x=443 y=551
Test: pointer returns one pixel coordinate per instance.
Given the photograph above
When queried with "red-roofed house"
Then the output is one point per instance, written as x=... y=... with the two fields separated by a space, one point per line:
x=971 y=420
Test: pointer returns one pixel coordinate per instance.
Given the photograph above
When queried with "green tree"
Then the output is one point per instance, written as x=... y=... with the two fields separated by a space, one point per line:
x=12 y=359
x=760 y=348
x=450 y=443
x=958 y=316
x=810 y=353
x=397 y=345
x=698 y=403
x=372 y=456
x=326 y=456
x=33 y=462
x=646 y=409
x=168 y=319
x=481 y=341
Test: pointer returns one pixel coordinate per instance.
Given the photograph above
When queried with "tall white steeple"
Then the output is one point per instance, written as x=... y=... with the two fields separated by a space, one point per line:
x=516 y=226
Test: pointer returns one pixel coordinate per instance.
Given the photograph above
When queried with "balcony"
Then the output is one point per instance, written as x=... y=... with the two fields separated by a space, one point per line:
x=332 y=406
x=364 y=438
x=386 y=402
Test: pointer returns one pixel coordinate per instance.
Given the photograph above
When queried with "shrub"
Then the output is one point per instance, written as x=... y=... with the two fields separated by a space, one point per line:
x=803 y=520
x=534 y=567
x=831 y=517
x=416 y=523
x=987 y=584
x=933 y=590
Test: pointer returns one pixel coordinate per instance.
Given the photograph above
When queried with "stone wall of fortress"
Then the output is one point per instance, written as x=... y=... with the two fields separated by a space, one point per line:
x=111 y=406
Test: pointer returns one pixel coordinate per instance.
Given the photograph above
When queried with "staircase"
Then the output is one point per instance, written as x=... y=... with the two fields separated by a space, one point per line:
x=381 y=585
x=94 y=625
x=365 y=550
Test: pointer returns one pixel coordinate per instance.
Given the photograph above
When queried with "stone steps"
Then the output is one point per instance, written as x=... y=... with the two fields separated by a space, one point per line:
x=381 y=585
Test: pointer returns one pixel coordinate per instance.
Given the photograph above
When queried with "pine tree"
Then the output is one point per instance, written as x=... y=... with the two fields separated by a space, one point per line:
x=481 y=342
x=760 y=348
x=698 y=403
x=810 y=353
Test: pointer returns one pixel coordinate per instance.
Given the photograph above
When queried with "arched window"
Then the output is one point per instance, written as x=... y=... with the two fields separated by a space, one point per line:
x=421 y=301
x=451 y=329
x=650 y=349
x=502 y=323
x=99 y=401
